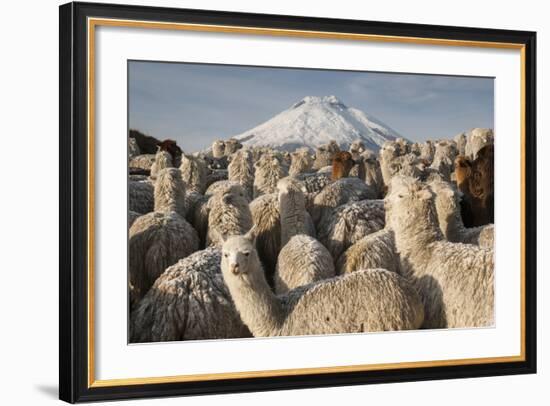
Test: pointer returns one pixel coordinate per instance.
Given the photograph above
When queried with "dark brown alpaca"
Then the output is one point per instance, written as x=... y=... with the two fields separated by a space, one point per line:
x=172 y=147
x=342 y=163
x=475 y=179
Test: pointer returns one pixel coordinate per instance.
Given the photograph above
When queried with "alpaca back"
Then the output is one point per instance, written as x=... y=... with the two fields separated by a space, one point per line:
x=350 y=222
x=189 y=301
x=170 y=192
x=376 y=250
x=337 y=193
x=302 y=260
x=366 y=300
x=143 y=161
x=141 y=196
x=156 y=241
x=456 y=283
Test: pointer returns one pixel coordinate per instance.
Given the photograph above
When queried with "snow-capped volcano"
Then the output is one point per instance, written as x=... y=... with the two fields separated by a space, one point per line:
x=317 y=120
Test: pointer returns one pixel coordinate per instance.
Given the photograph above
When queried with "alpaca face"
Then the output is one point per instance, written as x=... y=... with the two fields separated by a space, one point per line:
x=446 y=198
x=408 y=201
x=239 y=258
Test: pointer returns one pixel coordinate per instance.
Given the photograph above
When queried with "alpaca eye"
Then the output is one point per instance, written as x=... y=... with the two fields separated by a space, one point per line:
x=247 y=253
x=226 y=255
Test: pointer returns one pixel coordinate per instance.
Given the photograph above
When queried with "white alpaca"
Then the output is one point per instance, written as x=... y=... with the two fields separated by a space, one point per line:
x=324 y=153
x=160 y=238
x=268 y=172
x=143 y=161
x=369 y=300
x=163 y=160
x=140 y=196
x=193 y=172
x=349 y=223
x=302 y=259
x=478 y=138
x=301 y=162
x=444 y=158
x=241 y=170
x=266 y=217
x=189 y=301
x=456 y=281
x=228 y=214
x=342 y=191
x=427 y=151
x=133 y=148
x=376 y=250
x=447 y=203
x=231 y=146
x=461 y=141
x=218 y=149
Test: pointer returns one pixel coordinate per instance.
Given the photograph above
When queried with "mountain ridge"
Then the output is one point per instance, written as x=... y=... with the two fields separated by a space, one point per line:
x=316 y=120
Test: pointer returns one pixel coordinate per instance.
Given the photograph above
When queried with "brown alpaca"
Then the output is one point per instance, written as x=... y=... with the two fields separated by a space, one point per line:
x=342 y=163
x=482 y=186
x=172 y=147
x=475 y=179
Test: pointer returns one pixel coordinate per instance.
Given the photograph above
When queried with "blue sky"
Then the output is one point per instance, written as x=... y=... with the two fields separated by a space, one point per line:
x=198 y=103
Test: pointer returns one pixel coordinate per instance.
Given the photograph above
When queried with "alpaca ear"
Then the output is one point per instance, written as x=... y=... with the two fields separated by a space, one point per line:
x=251 y=235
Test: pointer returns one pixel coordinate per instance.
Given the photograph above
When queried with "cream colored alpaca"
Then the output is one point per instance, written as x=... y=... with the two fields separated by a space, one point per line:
x=342 y=191
x=218 y=149
x=268 y=172
x=456 y=281
x=447 y=203
x=369 y=300
x=302 y=259
x=163 y=160
x=348 y=223
x=301 y=162
x=228 y=213
x=193 y=172
x=189 y=301
x=267 y=222
x=241 y=170
x=376 y=250
x=160 y=238
x=478 y=138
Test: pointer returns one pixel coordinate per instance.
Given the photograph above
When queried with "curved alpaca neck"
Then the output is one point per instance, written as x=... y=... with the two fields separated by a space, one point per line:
x=169 y=195
x=451 y=223
x=257 y=305
x=421 y=229
x=292 y=209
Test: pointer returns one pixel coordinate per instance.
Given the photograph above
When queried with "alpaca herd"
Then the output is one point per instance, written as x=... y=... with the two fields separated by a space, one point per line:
x=241 y=241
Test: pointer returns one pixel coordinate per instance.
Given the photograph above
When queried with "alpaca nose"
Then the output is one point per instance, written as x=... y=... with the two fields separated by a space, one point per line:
x=234 y=269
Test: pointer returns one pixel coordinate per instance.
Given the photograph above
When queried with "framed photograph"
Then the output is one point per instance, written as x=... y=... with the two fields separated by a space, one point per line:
x=257 y=202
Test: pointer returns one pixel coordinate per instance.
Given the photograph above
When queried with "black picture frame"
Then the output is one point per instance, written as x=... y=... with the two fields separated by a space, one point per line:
x=74 y=199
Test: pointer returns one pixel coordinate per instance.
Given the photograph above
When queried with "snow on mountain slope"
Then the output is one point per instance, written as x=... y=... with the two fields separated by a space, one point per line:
x=317 y=120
